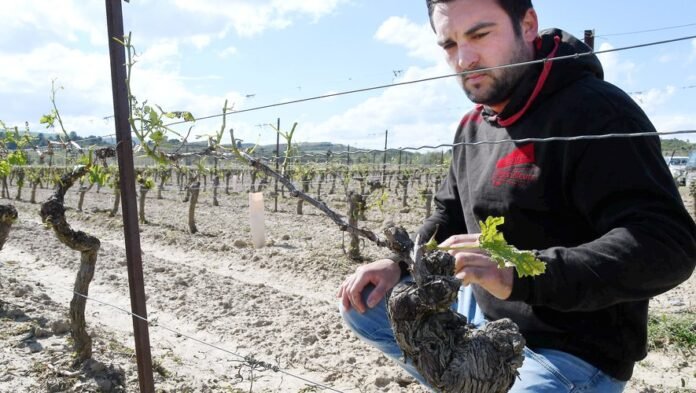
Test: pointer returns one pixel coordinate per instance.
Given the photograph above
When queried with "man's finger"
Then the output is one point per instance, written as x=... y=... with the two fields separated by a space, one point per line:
x=345 y=301
x=472 y=275
x=355 y=294
x=377 y=294
x=462 y=239
x=471 y=259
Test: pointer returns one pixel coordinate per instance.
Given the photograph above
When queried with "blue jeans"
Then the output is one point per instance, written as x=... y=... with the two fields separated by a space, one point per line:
x=543 y=370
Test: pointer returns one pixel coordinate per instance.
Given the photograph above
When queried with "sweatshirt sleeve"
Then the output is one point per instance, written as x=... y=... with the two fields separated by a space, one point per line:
x=646 y=240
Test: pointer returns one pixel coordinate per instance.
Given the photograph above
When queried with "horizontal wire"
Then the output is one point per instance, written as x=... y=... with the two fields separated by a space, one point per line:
x=577 y=55
x=637 y=92
x=666 y=87
x=451 y=145
x=500 y=141
x=379 y=87
x=645 y=31
x=157 y=324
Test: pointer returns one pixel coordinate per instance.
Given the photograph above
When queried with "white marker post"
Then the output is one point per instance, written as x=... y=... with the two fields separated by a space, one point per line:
x=256 y=219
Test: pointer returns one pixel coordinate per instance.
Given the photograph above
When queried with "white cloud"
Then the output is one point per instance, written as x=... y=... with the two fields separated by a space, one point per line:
x=422 y=113
x=32 y=72
x=200 y=41
x=675 y=122
x=418 y=39
x=164 y=54
x=651 y=99
x=85 y=125
x=314 y=8
x=66 y=19
x=227 y=52
x=249 y=18
x=86 y=97
x=664 y=59
x=617 y=71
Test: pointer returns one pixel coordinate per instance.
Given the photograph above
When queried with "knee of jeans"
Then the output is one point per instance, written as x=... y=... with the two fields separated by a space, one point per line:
x=368 y=325
x=360 y=324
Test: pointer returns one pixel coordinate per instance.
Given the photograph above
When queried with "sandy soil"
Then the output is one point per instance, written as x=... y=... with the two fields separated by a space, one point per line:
x=276 y=303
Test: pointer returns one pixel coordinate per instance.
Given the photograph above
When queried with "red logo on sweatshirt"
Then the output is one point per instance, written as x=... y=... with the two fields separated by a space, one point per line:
x=517 y=168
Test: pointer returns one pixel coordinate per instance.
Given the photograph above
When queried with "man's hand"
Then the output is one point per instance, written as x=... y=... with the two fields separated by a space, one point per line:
x=475 y=266
x=383 y=274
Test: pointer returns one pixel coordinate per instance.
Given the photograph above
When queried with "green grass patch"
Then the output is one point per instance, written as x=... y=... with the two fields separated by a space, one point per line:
x=672 y=330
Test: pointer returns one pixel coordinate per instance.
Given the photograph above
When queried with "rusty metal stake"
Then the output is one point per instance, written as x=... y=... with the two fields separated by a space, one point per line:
x=117 y=55
x=589 y=38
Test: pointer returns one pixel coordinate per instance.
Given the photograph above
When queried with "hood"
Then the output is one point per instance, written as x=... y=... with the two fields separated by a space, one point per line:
x=544 y=79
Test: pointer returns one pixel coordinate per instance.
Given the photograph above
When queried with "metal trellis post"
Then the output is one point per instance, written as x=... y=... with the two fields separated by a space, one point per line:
x=589 y=38
x=117 y=55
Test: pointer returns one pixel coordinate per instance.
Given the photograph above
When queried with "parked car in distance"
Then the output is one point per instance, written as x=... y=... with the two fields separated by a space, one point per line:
x=677 y=166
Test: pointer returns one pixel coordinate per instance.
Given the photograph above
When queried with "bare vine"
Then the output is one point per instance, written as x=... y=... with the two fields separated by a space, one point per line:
x=53 y=215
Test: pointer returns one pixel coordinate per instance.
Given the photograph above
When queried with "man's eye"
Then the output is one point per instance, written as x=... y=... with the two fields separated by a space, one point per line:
x=447 y=45
x=478 y=36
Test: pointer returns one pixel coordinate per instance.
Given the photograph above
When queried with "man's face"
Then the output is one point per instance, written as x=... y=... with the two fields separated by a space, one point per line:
x=478 y=34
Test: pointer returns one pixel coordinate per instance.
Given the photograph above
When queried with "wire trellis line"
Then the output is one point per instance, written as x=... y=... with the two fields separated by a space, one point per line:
x=500 y=141
x=384 y=86
x=248 y=358
x=331 y=154
x=646 y=31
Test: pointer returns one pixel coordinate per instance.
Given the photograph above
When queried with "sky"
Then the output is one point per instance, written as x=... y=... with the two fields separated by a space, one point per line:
x=192 y=55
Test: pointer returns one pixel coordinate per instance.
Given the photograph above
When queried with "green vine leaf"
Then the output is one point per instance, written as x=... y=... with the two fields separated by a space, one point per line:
x=505 y=254
x=98 y=175
x=48 y=119
x=17 y=158
x=5 y=168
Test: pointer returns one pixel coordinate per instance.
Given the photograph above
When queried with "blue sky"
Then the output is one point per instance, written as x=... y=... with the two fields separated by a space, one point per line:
x=195 y=54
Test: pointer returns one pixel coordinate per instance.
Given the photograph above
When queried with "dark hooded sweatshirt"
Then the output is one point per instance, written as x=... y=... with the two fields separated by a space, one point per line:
x=605 y=215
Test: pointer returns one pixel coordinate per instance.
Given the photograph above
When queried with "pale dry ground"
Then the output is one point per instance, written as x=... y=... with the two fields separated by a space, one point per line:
x=276 y=303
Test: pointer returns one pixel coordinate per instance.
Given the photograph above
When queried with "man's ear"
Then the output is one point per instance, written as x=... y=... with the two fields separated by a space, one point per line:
x=530 y=25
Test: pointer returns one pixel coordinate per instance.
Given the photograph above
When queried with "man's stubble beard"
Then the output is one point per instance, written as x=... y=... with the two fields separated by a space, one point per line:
x=502 y=81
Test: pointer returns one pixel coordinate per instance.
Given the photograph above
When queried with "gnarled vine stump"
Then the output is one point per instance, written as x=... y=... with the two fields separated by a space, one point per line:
x=8 y=215
x=451 y=354
x=53 y=214
x=194 y=189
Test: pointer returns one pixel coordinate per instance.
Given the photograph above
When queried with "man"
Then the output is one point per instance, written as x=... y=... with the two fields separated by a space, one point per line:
x=604 y=215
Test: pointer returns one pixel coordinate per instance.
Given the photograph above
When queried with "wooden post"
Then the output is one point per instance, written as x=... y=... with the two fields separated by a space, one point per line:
x=117 y=55
x=277 y=159
x=384 y=159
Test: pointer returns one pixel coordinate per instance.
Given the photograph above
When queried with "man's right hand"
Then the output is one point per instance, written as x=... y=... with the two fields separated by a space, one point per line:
x=384 y=274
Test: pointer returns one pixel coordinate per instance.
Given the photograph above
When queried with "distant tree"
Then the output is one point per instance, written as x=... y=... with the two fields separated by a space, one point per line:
x=73 y=136
x=676 y=147
x=42 y=141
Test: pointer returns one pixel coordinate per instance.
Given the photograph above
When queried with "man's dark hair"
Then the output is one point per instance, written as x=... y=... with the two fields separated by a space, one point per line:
x=516 y=10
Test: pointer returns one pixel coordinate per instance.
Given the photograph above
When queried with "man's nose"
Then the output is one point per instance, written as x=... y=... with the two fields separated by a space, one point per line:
x=467 y=58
